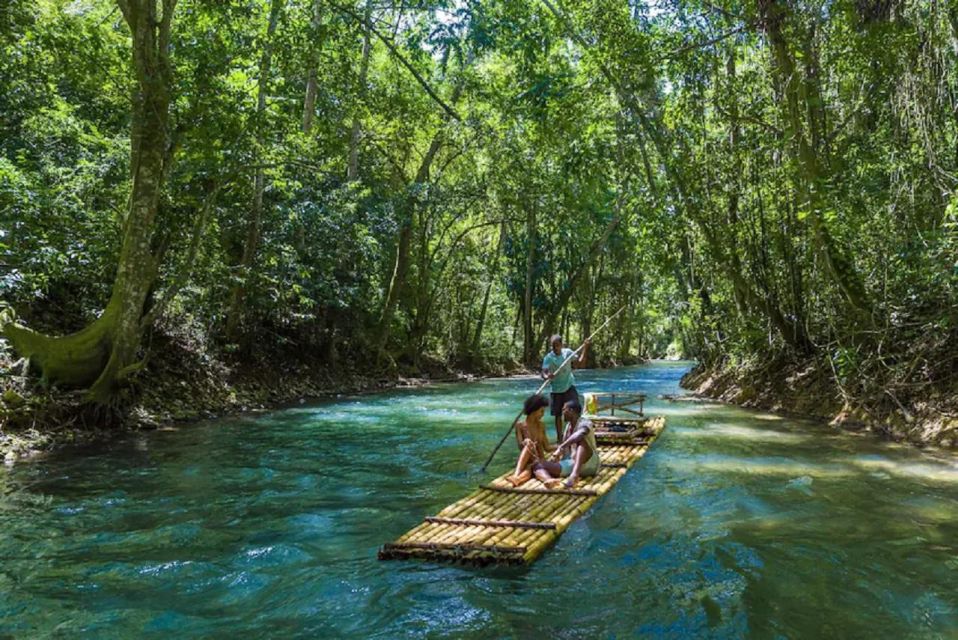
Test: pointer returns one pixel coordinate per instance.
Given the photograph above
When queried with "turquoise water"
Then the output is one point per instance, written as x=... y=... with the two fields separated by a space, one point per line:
x=736 y=524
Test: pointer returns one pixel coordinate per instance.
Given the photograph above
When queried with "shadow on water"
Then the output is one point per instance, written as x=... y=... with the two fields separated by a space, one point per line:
x=736 y=524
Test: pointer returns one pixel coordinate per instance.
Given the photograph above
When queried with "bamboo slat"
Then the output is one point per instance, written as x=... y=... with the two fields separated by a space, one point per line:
x=558 y=492
x=504 y=525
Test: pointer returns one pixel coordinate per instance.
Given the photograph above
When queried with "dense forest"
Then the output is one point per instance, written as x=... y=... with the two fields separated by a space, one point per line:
x=766 y=186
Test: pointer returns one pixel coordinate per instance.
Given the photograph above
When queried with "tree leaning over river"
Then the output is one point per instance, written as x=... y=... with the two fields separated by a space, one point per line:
x=768 y=184
x=105 y=352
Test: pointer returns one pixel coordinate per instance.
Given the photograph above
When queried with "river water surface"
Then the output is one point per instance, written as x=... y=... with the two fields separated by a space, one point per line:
x=736 y=524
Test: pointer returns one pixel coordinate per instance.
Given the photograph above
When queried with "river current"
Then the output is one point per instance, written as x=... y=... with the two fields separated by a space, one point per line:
x=736 y=524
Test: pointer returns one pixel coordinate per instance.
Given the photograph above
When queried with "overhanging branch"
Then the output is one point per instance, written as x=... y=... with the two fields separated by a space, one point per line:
x=395 y=52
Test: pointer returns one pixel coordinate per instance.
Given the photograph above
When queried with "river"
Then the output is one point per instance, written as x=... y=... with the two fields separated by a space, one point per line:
x=736 y=524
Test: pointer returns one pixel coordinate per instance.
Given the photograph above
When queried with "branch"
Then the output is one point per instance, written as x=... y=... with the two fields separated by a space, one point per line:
x=125 y=10
x=392 y=49
x=575 y=35
x=395 y=163
x=108 y=16
x=460 y=236
x=724 y=12
x=452 y=245
x=701 y=45
x=452 y=158
x=181 y=277
x=749 y=118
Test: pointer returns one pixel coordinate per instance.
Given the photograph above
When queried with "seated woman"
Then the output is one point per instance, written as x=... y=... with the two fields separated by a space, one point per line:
x=580 y=440
x=531 y=438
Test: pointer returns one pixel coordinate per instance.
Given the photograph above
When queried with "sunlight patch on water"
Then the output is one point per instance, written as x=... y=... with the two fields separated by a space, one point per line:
x=846 y=467
x=803 y=484
x=682 y=409
x=932 y=511
x=164 y=567
x=771 y=417
x=347 y=417
x=386 y=414
x=440 y=613
x=933 y=471
x=735 y=432
x=758 y=466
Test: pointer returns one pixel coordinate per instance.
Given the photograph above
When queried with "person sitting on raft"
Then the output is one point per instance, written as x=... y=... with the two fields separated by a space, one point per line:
x=580 y=440
x=531 y=438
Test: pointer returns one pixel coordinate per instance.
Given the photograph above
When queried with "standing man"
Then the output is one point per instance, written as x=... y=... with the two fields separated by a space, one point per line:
x=563 y=383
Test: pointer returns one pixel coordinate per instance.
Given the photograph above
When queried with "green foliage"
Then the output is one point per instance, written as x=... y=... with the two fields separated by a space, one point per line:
x=603 y=154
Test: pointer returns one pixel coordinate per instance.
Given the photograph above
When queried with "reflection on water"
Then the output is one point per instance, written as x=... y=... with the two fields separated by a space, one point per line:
x=736 y=524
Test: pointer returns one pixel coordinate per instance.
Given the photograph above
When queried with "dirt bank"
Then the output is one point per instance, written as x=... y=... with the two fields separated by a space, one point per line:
x=807 y=389
x=183 y=381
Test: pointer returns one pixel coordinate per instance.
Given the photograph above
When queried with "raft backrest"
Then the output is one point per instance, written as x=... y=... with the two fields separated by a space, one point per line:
x=609 y=403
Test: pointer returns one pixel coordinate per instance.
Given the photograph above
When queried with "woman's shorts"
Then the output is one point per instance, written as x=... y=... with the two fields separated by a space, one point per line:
x=589 y=468
x=559 y=399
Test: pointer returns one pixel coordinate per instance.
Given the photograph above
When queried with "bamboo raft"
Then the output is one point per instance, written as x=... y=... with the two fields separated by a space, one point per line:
x=499 y=524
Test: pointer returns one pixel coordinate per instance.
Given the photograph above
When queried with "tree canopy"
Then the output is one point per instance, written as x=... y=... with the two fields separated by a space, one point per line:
x=455 y=180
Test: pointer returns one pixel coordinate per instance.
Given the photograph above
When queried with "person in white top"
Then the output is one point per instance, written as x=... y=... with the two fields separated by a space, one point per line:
x=561 y=378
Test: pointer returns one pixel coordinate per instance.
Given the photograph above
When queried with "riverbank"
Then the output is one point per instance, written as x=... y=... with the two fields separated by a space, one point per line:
x=806 y=389
x=183 y=382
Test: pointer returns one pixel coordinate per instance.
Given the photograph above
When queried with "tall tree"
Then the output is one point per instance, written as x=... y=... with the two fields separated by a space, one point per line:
x=104 y=354
x=254 y=220
x=312 y=73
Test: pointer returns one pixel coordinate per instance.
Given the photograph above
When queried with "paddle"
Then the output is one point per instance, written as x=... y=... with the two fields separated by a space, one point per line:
x=575 y=354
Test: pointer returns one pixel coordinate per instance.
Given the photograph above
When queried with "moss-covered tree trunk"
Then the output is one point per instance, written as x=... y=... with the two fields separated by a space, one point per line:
x=103 y=354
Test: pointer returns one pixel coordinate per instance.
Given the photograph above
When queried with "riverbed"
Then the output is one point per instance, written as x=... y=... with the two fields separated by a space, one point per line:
x=736 y=524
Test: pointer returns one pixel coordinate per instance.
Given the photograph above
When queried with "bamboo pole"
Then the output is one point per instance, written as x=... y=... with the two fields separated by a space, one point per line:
x=558 y=492
x=537 y=513
x=494 y=535
x=464 y=503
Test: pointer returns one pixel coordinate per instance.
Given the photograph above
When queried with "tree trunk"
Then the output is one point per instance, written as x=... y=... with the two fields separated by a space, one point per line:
x=493 y=270
x=952 y=13
x=404 y=241
x=793 y=334
x=588 y=310
x=312 y=78
x=423 y=294
x=481 y=321
x=255 y=220
x=352 y=167
x=734 y=181
x=811 y=182
x=396 y=283
x=104 y=353
x=529 y=347
x=549 y=322
x=629 y=320
x=403 y=244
